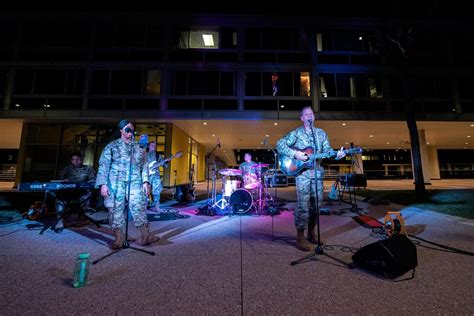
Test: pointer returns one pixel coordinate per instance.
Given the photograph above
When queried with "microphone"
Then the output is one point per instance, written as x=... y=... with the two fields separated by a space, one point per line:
x=143 y=141
x=310 y=121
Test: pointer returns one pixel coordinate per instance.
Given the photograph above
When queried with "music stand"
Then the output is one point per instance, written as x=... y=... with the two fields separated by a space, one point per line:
x=318 y=250
x=351 y=190
x=126 y=244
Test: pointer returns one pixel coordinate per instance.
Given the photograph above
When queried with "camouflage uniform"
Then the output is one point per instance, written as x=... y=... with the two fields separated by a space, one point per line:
x=155 y=178
x=114 y=167
x=301 y=139
x=73 y=174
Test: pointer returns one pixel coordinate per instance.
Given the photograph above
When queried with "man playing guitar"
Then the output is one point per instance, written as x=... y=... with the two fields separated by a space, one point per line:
x=155 y=161
x=291 y=145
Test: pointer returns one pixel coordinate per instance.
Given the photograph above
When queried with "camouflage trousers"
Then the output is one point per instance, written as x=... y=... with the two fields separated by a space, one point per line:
x=117 y=199
x=304 y=193
x=156 y=188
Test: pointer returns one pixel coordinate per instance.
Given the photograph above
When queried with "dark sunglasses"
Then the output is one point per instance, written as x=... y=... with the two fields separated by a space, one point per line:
x=128 y=130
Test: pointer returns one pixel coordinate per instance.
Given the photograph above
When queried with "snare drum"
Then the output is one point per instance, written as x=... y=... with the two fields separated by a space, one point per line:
x=251 y=181
x=230 y=185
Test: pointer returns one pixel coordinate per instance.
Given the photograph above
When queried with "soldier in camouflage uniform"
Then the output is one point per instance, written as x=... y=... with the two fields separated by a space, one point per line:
x=248 y=170
x=74 y=172
x=115 y=171
x=155 y=161
x=292 y=145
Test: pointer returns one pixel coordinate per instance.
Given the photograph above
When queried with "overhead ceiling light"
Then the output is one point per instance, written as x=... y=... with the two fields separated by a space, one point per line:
x=208 y=40
x=213 y=135
x=472 y=125
x=204 y=123
x=343 y=124
x=267 y=135
x=17 y=105
x=468 y=136
x=275 y=123
x=371 y=135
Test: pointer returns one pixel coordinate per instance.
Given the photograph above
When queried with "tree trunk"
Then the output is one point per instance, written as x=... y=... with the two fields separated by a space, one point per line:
x=416 y=153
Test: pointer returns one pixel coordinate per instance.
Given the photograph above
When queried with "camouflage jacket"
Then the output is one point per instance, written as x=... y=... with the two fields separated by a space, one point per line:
x=81 y=174
x=300 y=139
x=114 y=164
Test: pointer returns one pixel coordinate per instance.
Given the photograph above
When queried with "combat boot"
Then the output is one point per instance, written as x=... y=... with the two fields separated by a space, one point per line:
x=311 y=233
x=145 y=237
x=301 y=243
x=119 y=238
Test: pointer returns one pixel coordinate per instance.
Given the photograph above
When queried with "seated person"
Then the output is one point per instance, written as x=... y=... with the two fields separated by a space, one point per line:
x=74 y=172
x=249 y=174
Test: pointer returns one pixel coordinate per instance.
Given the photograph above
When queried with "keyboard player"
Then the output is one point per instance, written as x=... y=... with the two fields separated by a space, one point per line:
x=75 y=171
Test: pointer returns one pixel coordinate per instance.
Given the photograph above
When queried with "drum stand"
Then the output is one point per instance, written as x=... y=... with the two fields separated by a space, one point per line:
x=262 y=201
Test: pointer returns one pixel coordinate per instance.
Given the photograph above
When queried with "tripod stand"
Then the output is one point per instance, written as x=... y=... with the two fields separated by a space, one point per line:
x=351 y=184
x=319 y=249
x=207 y=209
x=126 y=244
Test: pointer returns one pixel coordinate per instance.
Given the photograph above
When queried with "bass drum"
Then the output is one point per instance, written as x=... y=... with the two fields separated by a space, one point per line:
x=241 y=201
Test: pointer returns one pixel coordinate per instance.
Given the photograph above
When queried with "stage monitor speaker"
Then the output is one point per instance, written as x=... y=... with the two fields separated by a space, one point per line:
x=391 y=257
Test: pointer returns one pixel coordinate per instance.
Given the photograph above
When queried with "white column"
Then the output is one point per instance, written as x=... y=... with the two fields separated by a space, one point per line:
x=425 y=163
x=358 y=164
x=434 y=163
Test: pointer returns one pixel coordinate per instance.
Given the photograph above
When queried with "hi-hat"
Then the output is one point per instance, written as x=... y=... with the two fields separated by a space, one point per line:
x=230 y=172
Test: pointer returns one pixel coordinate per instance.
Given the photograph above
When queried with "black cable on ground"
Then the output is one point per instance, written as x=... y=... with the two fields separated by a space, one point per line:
x=456 y=250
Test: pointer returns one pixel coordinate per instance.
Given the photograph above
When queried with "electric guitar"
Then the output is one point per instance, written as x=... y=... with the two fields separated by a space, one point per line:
x=154 y=166
x=292 y=166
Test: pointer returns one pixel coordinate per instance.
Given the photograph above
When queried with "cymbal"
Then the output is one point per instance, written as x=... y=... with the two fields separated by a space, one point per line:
x=230 y=172
x=259 y=165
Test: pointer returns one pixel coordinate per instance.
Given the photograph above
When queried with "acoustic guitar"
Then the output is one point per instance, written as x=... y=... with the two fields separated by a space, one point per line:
x=292 y=166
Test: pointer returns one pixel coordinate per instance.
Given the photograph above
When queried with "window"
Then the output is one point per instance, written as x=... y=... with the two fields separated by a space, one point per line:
x=294 y=84
x=218 y=83
x=200 y=37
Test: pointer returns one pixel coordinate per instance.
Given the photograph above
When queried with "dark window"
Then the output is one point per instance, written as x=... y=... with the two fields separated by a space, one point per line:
x=100 y=82
x=203 y=83
x=3 y=80
x=105 y=104
x=252 y=38
x=126 y=82
x=253 y=84
x=396 y=88
x=466 y=86
x=180 y=84
x=24 y=81
x=7 y=34
x=228 y=37
x=227 y=84
x=343 y=85
x=327 y=85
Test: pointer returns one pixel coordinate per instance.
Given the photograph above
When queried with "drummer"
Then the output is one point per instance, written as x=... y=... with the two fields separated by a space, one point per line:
x=248 y=169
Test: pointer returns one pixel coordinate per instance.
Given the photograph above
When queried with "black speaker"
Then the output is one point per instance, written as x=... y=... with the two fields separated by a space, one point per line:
x=391 y=257
x=181 y=194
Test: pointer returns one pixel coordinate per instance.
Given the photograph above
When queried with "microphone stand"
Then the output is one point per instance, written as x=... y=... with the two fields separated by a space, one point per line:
x=126 y=244
x=318 y=250
x=207 y=209
x=274 y=210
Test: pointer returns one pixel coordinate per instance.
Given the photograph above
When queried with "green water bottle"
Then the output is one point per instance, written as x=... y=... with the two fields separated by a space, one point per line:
x=81 y=270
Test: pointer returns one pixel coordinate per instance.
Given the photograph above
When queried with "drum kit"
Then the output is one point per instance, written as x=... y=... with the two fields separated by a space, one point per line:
x=242 y=192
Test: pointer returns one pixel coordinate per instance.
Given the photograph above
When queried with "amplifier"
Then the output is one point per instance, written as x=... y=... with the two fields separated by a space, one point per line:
x=281 y=180
x=353 y=180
